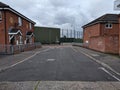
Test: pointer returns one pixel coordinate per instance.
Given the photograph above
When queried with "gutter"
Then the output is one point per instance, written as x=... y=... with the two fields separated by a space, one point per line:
x=19 y=14
x=90 y=24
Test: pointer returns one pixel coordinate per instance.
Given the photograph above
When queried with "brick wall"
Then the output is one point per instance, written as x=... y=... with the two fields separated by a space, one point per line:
x=103 y=39
x=110 y=31
x=107 y=44
x=97 y=43
x=11 y=20
x=112 y=44
x=2 y=30
x=90 y=31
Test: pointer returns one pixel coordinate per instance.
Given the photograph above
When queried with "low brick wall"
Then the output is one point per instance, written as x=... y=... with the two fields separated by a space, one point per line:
x=13 y=49
x=112 y=44
x=97 y=43
x=29 y=47
x=107 y=44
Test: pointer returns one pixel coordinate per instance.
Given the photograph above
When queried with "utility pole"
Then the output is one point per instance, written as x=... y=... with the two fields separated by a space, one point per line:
x=74 y=32
x=67 y=34
x=79 y=34
x=62 y=33
x=71 y=33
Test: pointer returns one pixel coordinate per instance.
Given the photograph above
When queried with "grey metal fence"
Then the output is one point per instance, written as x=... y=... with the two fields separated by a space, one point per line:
x=11 y=49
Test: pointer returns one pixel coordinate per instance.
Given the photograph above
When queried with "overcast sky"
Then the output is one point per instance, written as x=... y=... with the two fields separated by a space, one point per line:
x=62 y=13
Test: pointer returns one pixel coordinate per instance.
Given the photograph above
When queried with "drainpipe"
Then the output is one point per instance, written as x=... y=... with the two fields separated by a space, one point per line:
x=5 y=31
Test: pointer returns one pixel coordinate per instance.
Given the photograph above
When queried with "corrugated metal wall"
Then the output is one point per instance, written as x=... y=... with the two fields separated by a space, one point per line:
x=47 y=35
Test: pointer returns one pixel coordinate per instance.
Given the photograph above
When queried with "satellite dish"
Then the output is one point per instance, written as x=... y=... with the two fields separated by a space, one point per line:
x=117 y=5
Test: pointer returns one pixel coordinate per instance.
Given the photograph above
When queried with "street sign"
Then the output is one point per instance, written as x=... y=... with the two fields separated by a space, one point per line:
x=117 y=5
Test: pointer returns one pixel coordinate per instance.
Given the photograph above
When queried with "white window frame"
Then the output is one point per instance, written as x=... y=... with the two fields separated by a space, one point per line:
x=30 y=26
x=21 y=38
x=19 y=21
x=0 y=15
x=108 y=25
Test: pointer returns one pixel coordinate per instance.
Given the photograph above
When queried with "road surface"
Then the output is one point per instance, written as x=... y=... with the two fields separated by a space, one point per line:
x=57 y=63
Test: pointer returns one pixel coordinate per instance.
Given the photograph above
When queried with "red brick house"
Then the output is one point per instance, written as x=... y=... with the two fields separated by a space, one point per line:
x=15 y=28
x=102 y=34
x=16 y=31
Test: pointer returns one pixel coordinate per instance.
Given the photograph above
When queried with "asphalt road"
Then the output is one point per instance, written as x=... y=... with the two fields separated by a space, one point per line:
x=59 y=63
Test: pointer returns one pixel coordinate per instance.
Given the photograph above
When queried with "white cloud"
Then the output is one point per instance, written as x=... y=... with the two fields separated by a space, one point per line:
x=62 y=13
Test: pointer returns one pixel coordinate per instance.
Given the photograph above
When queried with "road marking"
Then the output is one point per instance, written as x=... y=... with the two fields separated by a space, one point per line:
x=103 y=64
x=50 y=60
x=106 y=71
x=74 y=50
x=25 y=59
x=95 y=55
x=97 y=61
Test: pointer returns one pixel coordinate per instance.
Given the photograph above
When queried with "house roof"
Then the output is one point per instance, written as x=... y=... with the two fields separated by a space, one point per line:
x=112 y=18
x=14 y=32
x=2 y=5
x=7 y=7
x=43 y=27
x=29 y=33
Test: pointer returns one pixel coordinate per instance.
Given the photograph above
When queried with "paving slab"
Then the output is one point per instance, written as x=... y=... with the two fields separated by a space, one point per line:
x=17 y=85
x=59 y=85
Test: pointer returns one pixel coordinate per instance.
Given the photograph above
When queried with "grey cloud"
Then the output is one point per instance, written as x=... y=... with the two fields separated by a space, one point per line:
x=62 y=12
x=63 y=18
x=61 y=3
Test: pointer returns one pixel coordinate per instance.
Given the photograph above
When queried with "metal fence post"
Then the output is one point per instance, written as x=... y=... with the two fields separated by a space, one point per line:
x=11 y=49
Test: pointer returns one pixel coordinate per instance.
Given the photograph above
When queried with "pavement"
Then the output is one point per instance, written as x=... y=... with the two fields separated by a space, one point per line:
x=110 y=61
x=7 y=61
x=59 y=85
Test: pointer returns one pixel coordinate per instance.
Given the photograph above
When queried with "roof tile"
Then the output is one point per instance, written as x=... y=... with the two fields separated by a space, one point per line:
x=104 y=18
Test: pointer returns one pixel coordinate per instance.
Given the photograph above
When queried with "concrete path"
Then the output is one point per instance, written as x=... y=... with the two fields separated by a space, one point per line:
x=59 y=85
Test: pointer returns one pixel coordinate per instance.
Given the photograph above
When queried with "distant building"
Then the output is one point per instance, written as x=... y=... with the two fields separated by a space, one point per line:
x=102 y=34
x=47 y=35
x=15 y=28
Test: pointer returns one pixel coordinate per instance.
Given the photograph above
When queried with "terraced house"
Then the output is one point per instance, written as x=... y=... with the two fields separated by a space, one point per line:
x=102 y=34
x=15 y=28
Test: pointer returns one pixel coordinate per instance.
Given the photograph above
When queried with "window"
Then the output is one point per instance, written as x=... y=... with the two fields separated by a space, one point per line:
x=108 y=25
x=0 y=15
x=19 y=21
x=30 y=25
